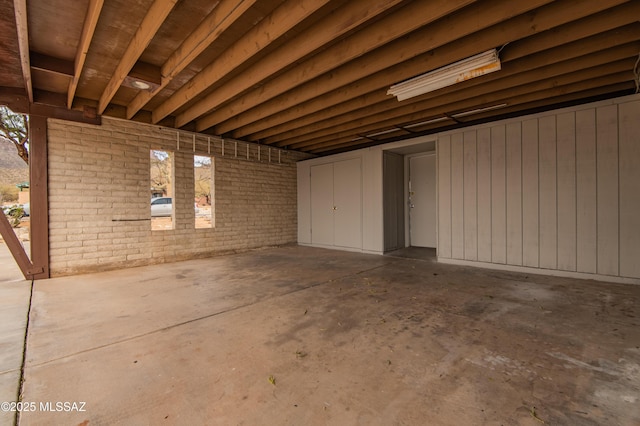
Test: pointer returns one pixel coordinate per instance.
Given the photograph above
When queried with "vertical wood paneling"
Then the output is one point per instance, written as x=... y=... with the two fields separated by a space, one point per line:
x=630 y=189
x=560 y=191
x=347 y=199
x=470 y=197
x=372 y=218
x=607 y=187
x=444 y=197
x=457 y=196
x=530 y=194
x=322 y=204
x=514 y=193
x=498 y=196
x=484 y=194
x=566 y=149
x=548 y=192
x=586 y=217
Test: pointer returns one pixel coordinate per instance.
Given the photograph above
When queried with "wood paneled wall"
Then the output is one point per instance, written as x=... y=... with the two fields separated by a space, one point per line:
x=556 y=191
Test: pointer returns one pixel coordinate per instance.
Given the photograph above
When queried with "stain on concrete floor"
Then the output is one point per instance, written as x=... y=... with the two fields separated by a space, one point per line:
x=384 y=340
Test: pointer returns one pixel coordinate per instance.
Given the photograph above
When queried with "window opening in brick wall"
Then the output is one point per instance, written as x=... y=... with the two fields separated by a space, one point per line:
x=161 y=173
x=204 y=203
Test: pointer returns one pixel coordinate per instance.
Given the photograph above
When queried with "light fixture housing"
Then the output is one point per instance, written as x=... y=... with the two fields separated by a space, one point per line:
x=475 y=66
x=139 y=84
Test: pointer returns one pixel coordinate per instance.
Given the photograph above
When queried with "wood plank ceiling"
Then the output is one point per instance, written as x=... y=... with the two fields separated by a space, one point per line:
x=310 y=75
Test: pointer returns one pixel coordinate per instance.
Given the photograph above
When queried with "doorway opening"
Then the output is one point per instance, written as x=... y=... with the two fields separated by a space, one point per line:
x=410 y=201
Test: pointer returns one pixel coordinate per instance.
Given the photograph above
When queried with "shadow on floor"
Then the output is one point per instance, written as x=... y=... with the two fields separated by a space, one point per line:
x=418 y=253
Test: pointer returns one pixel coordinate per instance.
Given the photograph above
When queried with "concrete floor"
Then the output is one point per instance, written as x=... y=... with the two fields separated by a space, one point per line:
x=14 y=308
x=299 y=336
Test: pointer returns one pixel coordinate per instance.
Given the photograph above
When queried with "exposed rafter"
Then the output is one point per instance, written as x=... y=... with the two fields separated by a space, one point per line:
x=20 y=8
x=50 y=64
x=398 y=24
x=225 y=14
x=517 y=109
x=610 y=47
x=285 y=17
x=372 y=89
x=154 y=18
x=446 y=32
x=310 y=75
x=343 y=20
x=580 y=80
x=88 y=29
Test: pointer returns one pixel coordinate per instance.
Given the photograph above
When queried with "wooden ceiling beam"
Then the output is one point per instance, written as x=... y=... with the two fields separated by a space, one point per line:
x=519 y=28
x=49 y=98
x=88 y=29
x=20 y=9
x=489 y=98
x=143 y=72
x=610 y=47
x=273 y=27
x=216 y=23
x=401 y=22
x=419 y=42
x=522 y=108
x=150 y=24
x=452 y=27
x=50 y=64
x=493 y=93
x=17 y=101
x=338 y=23
x=15 y=98
x=87 y=115
x=612 y=18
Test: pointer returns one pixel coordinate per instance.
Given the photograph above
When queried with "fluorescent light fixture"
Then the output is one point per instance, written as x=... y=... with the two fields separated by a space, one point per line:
x=479 y=110
x=423 y=123
x=384 y=132
x=475 y=66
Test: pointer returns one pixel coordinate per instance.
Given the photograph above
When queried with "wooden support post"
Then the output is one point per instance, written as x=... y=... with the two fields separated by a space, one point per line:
x=16 y=248
x=38 y=170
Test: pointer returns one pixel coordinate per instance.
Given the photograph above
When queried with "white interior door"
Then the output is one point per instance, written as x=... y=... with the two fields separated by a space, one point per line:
x=322 y=204
x=422 y=199
x=347 y=198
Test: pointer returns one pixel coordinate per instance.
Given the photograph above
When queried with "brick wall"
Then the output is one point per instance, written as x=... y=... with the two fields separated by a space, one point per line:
x=99 y=214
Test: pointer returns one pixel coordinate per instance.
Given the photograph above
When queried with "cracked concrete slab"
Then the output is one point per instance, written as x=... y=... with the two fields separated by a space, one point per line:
x=299 y=335
x=14 y=294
